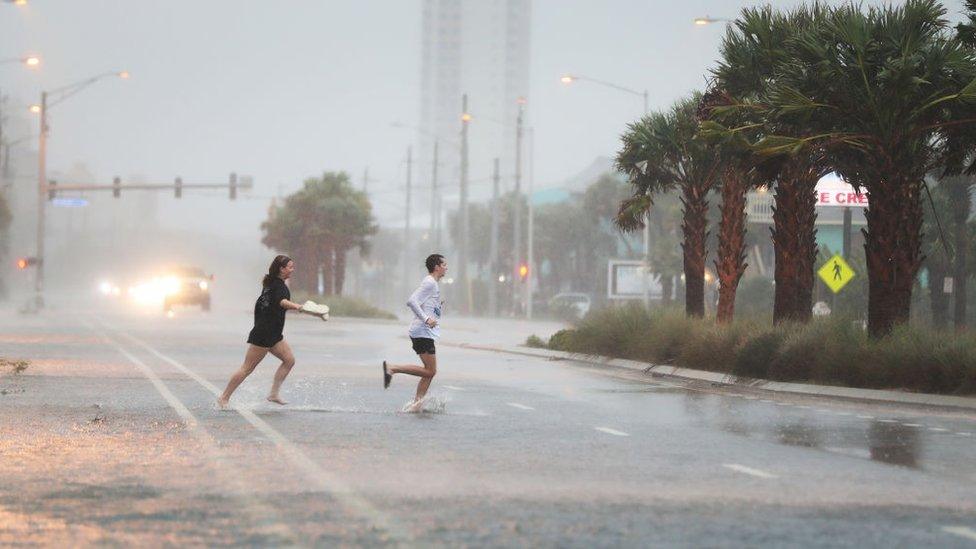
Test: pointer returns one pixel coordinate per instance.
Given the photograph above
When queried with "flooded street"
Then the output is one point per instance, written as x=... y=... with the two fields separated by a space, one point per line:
x=111 y=436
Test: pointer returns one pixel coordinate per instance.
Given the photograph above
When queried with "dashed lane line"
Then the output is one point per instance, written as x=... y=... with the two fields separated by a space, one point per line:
x=262 y=513
x=324 y=479
x=961 y=531
x=938 y=430
x=520 y=406
x=749 y=470
x=912 y=425
x=610 y=431
x=454 y=388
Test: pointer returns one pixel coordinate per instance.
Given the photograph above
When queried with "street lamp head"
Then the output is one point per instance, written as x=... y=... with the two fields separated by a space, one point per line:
x=567 y=79
x=35 y=109
x=32 y=60
x=124 y=75
x=521 y=100
x=466 y=117
x=702 y=21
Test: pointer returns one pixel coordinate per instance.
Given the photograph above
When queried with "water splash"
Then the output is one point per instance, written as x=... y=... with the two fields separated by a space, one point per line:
x=430 y=404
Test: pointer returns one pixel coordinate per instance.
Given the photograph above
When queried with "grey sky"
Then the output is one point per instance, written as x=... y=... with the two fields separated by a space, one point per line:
x=283 y=90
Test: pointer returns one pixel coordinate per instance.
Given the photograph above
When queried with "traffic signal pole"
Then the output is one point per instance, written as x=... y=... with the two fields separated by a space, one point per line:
x=48 y=190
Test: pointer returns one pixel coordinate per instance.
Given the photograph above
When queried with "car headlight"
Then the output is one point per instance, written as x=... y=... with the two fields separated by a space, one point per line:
x=203 y=285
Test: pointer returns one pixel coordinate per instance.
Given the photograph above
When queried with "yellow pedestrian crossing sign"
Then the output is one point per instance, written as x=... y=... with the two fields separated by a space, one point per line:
x=836 y=273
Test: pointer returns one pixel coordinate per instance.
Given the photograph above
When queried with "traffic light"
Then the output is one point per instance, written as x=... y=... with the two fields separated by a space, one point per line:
x=523 y=271
x=233 y=186
x=117 y=187
x=24 y=262
x=52 y=189
x=178 y=188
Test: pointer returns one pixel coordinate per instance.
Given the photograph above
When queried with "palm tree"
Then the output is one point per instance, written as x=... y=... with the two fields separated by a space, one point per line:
x=661 y=152
x=882 y=91
x=320 y=224
x=754 y=47
x=737 y=162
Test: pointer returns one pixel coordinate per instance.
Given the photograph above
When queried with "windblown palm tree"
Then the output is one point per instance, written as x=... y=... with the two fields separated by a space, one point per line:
x=886 y=92
x=661 y=153
x=756 y=45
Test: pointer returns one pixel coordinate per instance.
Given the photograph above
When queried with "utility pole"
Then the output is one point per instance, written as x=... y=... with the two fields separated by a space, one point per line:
x=406 y=226
x=366 y=180
x=41 y=203
x=435 y=236
x=531 y=229
x=517 y=215
x=463 y=210
x=493 y=245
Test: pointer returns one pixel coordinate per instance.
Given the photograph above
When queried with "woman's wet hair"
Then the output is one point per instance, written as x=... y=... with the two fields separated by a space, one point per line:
x=274 y=271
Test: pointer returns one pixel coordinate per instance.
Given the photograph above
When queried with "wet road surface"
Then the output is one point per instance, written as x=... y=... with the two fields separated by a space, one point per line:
x=110 y=437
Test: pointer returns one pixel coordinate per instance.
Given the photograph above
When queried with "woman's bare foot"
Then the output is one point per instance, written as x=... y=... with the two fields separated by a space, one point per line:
x=414 y=407
x=276 y=399
x=222 y=403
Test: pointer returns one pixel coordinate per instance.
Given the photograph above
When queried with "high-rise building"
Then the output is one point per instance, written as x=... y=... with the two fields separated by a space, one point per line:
x=479 y=48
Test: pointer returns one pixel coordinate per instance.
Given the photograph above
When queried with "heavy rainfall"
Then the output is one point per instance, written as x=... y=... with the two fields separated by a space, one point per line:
x=488 y=273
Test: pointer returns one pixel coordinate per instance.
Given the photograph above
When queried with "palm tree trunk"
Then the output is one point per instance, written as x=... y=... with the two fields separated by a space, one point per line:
x=938 y=267
x=794 y=236
x=730 y=263
x=961 y=202
x=694 y=223
x=340 y=270
x=328 y=266
x=892 y=248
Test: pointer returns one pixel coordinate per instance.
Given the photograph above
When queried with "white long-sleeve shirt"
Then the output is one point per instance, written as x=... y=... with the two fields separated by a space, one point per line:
x=425 y=302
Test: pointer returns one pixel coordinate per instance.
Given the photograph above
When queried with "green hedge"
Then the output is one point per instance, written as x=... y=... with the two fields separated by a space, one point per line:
x=346 y=306
x=830 y=351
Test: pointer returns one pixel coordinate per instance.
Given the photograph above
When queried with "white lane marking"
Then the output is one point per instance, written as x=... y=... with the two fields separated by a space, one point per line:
x=911 y=424
x=325 y=480
x=961 y=531
x=783 y=404
x=610 y=431
x=200 y=433
x=853 y=452
x=938 y=430
x=964 y=434
x=888 y=420
x=748 y=470
x=520 y=406
x=866 y=417
x=454 y=388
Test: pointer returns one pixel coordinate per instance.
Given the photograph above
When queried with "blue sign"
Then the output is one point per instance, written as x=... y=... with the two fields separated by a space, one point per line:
x=70 y=202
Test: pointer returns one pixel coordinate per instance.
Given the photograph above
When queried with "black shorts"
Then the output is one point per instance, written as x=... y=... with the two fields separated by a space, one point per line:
x=423 y=345
x=261 y=338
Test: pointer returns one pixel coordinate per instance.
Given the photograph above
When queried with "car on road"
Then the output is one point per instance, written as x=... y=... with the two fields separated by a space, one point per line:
x=186 y=285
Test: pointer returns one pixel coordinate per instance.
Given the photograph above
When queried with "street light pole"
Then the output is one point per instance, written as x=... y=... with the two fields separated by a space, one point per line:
x=531 y=228
x=62 y=94
x=435 y=234
x=517 y=217
x=41 y=203
x=407 y=260
x=493 y=245
x=463 y=209
x=646 y=233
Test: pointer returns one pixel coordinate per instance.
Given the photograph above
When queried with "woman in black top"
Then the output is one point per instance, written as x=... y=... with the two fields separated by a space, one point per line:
x=266 y=336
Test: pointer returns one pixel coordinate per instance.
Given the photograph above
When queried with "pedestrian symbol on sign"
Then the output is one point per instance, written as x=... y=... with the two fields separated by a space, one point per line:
x=836 y=273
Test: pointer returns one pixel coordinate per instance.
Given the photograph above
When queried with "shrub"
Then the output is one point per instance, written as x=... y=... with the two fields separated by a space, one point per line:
x=833 y=350
x=536 y=342
x=347 y=306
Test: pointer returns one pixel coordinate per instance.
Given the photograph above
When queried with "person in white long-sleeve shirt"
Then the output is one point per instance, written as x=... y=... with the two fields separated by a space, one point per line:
x=425 y=303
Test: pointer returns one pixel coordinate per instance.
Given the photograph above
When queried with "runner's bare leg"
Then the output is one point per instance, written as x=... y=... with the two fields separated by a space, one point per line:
x=282 y=351
x=252 y=357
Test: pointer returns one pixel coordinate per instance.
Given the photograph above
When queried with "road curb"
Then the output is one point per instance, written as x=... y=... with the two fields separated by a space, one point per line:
x=848 y=393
